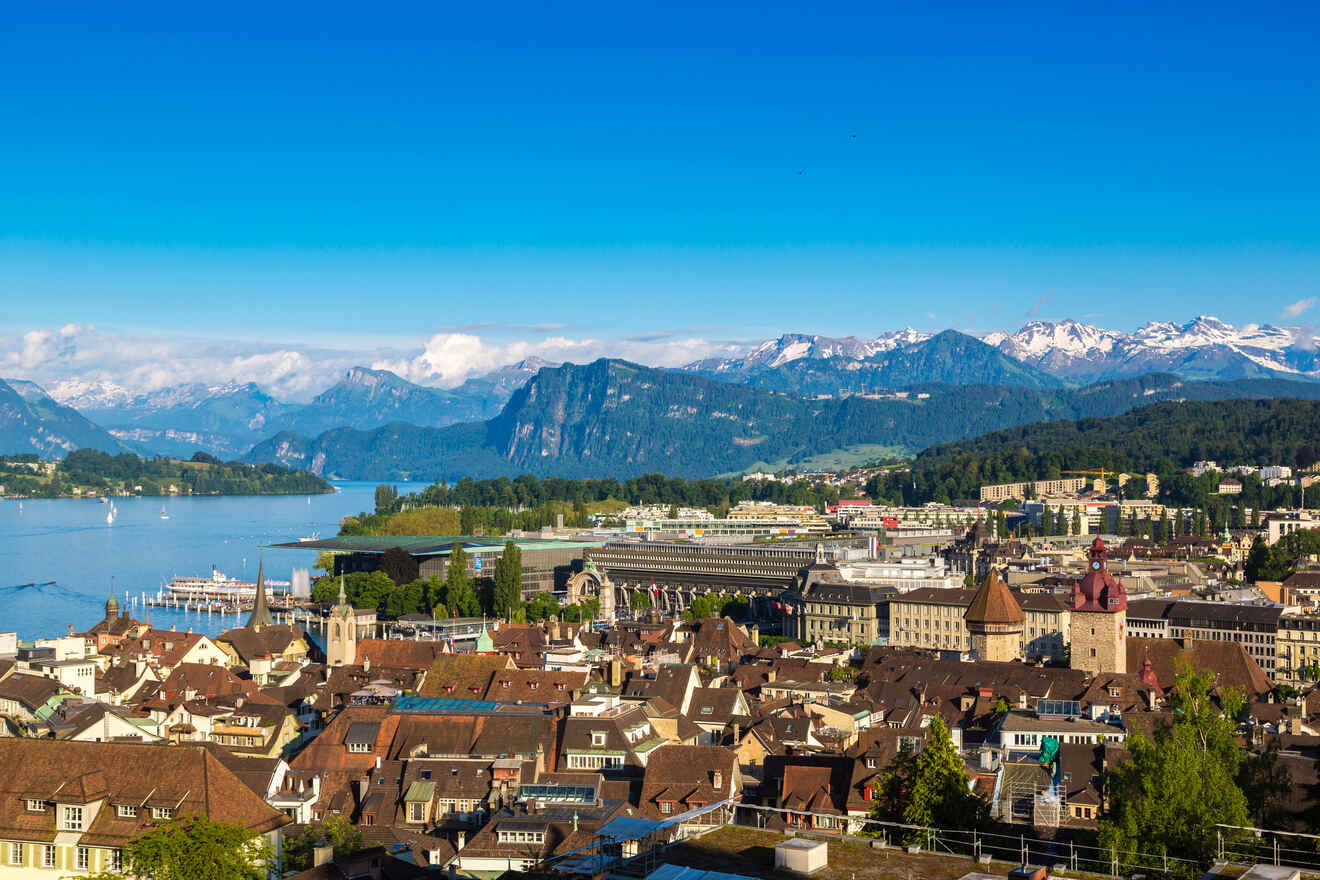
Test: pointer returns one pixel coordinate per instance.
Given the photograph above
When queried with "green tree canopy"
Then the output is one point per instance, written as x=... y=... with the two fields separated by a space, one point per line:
x=1175 y=788
x=340 y=833
x=507 y=594
x=194 y=848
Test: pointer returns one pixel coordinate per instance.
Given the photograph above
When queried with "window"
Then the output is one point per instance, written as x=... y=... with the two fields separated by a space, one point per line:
x=359 y=748
x=666 y=806
x=598 y=737
x=162 y=813
x=15 y=853
x=36 y=806
x=116 y=859
x=72 y=819
x=416 y=811
x=48 y=856
x=81 y=860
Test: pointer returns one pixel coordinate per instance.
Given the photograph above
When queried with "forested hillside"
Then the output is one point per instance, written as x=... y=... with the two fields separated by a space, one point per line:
x=1159 y=438
x=616 y=419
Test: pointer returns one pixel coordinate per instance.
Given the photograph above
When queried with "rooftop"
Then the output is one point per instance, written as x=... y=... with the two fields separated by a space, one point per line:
x=431 y=545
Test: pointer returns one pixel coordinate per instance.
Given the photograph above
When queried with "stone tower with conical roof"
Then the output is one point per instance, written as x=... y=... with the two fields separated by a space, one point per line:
x=341 y=632
x=1098 y=640
x=994 y=621
x=260 y=615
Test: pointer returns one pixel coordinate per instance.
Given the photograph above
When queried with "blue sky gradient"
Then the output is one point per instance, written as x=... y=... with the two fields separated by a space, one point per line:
x=369 y=174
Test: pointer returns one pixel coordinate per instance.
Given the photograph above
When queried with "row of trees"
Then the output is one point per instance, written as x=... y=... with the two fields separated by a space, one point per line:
x=528 y=492
x=395 y=589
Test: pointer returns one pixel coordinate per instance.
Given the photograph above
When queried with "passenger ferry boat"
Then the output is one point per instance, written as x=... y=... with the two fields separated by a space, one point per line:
x=222 y=588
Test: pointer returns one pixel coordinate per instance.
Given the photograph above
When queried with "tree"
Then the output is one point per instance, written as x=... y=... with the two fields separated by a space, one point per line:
x=194 y=848
x=325 y=562
x=1306 y=456
x=1172 y=792
x=639 y=601
x=544 y=606
x=400 y=565
x=932 y=789
x=386 y=498
x=1266 y=784
x=460 y=597
x=342 y=834
x=1076 y=522
x=508 y=581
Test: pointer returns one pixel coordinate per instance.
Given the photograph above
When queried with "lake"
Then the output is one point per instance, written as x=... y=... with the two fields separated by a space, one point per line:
x=68 y=541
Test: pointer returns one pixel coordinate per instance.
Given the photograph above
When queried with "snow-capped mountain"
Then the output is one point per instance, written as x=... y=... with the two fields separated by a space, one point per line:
x=1203 y=348
x=790 y=347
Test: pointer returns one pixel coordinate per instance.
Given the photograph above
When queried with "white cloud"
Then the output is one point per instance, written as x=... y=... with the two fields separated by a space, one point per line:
x=450 y=358
x=80 y=363
x=1292 y=310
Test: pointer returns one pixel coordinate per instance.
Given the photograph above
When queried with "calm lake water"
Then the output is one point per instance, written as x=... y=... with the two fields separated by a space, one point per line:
x=69 y=542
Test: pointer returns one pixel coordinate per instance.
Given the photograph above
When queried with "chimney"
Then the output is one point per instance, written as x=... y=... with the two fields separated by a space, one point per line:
x=322 y=853
x=70 y=629
x=460 y=841
x=718 y=780
x=173 y=628
x=378 y=762
x=189 y=630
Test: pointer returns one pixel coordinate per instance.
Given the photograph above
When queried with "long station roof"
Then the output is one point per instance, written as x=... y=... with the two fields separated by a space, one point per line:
x=430 y=545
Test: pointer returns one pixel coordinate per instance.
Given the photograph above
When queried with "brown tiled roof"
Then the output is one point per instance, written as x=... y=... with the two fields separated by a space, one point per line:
x=204 y=680
x=269 y=640
x=30 y=691
x=534 y=686
x=398 y=653
x=470 y=735
x=1230 y=662
x=686 y=775
x=462 y=676
x=994 y=605
x=186 y=778
x=167 y=646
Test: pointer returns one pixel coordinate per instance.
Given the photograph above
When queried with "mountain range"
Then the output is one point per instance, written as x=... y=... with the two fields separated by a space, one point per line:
x=612 y=418
x=227 y=420
x=785 y=400
x=1065 y=351
x=32 y=422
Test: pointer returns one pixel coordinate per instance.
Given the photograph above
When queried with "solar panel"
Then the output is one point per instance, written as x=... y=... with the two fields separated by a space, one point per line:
x=584 y=794
x=1066 y=708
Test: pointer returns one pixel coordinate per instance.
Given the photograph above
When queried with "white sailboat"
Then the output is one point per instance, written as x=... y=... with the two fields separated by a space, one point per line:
x=110 y=516
x=163 y=514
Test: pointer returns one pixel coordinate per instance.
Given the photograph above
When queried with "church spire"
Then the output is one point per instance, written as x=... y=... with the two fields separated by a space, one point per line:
x=260 y=613
x=343 y=599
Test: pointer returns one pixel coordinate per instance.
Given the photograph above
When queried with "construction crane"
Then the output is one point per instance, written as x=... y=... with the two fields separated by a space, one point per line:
x=1101 y=473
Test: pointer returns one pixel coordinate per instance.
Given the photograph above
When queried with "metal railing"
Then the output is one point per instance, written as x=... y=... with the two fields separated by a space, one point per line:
x=974 y=844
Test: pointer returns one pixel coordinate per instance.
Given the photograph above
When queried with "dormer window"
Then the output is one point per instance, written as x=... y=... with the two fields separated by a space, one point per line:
x=162 y=813
x=359 y=748
x=71 y=819
x=126 y=811
x=598 y=737
x=1113 y=692
x=449 y=688
x=475 y=690
x=36 y=806
x=533 y=684
x=559 y=685
x=504 y=683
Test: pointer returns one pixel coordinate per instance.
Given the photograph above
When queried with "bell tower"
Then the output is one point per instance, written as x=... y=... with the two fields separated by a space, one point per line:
x=1099 y=617
x=341 y=632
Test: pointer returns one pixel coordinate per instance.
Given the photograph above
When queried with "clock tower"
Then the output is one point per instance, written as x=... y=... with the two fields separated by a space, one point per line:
x=1099 y=617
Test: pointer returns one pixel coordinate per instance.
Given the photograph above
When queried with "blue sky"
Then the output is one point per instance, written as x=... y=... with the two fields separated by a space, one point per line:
x=369 y=175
